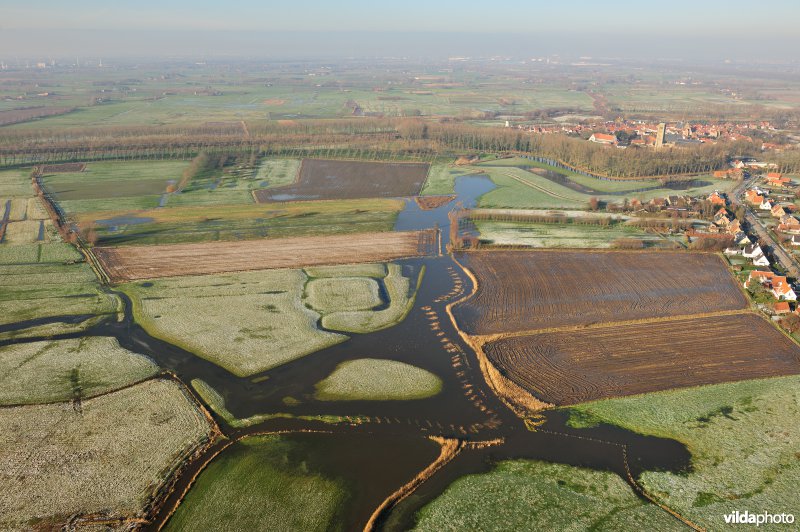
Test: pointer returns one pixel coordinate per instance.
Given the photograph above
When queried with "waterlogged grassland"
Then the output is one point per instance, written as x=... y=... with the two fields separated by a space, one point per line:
x=566 y=235
x=533 y=495
x=63 y=370
x=277 y=172
x=179 y=224
x=246 y=322
x=402 y=294
x=743 y=438
x=262 y=483
x=216 y=402
x=46 y=280
x=342 y=294
x=108 y=459
x=377 y=380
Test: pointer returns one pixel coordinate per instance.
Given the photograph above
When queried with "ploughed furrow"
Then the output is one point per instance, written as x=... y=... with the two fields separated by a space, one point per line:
x=529 y=290
x=576 y=366
x=127 y=263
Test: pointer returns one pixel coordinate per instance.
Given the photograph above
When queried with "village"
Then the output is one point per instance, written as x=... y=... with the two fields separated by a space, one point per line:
x=622 y=133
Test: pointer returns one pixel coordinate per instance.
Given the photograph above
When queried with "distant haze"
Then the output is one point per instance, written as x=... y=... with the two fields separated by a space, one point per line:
x=677 y=29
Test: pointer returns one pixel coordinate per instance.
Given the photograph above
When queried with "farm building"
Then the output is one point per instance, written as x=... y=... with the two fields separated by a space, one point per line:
x=602 y=138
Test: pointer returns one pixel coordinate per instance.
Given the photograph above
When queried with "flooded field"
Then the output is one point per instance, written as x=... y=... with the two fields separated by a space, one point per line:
x=367 y=450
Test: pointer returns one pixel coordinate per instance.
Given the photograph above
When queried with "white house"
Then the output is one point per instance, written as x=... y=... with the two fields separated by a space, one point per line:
x=761 y=260
x=730 y=252
x=795 y=241
x=766 y=205
x=752 y=252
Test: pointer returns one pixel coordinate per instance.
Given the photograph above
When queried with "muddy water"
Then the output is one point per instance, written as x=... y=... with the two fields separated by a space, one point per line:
x=395 y=432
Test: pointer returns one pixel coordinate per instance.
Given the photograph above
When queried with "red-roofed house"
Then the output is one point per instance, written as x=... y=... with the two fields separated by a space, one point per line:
x=781 y=308
x=781 y=289
x=716 y=199
x=759 y=277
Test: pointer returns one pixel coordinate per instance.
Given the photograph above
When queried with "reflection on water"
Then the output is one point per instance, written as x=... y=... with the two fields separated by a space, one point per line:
x=468 y=190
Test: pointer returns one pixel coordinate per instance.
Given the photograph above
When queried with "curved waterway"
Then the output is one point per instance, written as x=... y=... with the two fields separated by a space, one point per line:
x=465 y=409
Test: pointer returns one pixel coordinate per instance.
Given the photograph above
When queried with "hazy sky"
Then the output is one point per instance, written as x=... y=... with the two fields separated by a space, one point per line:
x=144 y=26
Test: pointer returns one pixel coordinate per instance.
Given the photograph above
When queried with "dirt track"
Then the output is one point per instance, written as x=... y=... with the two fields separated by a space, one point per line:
x=128 y=263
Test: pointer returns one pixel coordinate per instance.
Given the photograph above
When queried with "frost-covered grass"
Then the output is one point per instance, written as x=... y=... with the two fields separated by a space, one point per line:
x=532 y=495
x=19 y=206
x=377 y=380
x=348 y=270
x=262 y=483
x=62 y=370
x=341 y=294
x=245 y=322
x=743 y=438
x=277 y=172
x=401 y=299
x=35 y=210
x=110 y=458
x=563 y=235
x=29 y=291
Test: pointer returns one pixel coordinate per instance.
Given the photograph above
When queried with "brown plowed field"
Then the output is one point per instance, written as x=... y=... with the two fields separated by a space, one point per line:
x=326 y=179
x=527 y=290
x=128 y=263
x=573 y=367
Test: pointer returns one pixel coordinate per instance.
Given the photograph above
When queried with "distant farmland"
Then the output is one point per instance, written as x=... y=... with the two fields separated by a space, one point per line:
x=520 y=291
x=128 y=263
x=577 y=366
x=327 y=179
x=16 y=116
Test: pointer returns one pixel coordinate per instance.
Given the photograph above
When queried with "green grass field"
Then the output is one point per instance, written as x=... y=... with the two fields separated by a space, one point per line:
x=197 y=223
x=262 y=483
x=442 y=176
x=377 y=380
x=114 y=179
x=63 y=370
x=743 y=440
x=532 y=495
